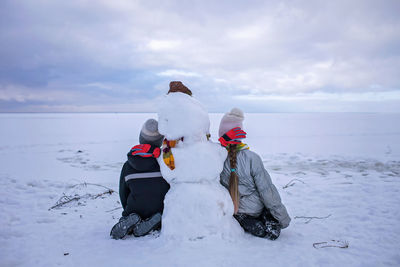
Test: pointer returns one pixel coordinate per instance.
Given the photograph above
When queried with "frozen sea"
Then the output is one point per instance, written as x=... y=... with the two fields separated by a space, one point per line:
x=343 y=168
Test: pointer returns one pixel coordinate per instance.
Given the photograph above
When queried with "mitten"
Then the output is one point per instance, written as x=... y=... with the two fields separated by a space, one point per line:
x=144 y=150
x=233 y=136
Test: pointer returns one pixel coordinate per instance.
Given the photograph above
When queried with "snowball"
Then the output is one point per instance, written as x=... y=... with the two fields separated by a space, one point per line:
x=180 y=115
x=197 y=211
x=195 y=162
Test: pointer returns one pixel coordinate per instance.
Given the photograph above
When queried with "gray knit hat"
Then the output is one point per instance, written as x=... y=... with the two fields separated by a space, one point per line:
x=149 y=133
x=230 y=120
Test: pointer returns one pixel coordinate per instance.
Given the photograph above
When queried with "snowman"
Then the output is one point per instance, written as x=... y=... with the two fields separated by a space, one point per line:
x=197 y=206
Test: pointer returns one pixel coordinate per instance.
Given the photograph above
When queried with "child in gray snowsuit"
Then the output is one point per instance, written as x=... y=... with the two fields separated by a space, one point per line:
x=257 y=204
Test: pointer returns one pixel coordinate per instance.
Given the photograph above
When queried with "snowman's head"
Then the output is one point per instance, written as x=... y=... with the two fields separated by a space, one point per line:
x=181 y=115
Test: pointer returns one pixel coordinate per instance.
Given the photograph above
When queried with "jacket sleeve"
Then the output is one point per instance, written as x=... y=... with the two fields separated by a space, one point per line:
x=268 y=192
x=224 y=176
x=123 y=188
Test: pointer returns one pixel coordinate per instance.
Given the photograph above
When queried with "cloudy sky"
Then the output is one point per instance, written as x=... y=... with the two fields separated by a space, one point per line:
x=262 y=56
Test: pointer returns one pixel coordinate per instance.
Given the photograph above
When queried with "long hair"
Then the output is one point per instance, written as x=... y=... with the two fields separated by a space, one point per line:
x=233 y=179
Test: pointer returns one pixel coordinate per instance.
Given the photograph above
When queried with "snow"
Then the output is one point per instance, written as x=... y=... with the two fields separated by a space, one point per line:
x=347 y=166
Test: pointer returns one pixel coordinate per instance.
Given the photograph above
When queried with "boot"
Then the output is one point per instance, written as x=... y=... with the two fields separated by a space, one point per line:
x=272 y=229
x=150 y=224
x=272 y=226
x=125 y=226
x=251 y=224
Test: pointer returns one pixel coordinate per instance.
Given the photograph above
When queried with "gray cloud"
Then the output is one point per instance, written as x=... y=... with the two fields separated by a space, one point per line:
x=117 y=55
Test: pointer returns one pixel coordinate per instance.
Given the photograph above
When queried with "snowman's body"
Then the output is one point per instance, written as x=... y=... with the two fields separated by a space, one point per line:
x=197 y=205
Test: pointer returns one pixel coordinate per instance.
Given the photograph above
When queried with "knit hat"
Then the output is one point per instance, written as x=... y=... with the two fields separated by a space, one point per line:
x=176 y=86
x=230 y=120
x=149 y=133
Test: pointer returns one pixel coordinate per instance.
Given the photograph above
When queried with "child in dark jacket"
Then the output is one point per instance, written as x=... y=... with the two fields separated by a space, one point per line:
x=141 y=187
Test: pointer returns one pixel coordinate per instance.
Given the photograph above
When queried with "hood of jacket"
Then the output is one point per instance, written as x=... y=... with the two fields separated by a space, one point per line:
x=142 y=163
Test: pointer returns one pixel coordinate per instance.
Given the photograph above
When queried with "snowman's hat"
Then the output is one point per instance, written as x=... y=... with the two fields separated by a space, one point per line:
x=177 y=86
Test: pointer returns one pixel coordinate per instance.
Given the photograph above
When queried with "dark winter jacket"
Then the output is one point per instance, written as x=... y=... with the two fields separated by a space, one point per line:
x=256 y=190
x=142 y=188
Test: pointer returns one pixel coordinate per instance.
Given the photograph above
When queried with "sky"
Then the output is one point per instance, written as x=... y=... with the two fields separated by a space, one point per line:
x=261 y=56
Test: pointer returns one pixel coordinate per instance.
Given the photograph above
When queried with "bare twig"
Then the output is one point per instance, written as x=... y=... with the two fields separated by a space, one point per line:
x=310 y=218
x=110 y=191
x=84 y=184
x=114 y=209
x=331 y=244
x=292 y=183
x=68 y=199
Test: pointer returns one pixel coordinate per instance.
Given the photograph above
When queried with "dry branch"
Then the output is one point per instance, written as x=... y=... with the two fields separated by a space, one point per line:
x=68 y=199
x=310 y=218
x=331 y=244
x=292 y=183
x=84 y=184
x=114 y=209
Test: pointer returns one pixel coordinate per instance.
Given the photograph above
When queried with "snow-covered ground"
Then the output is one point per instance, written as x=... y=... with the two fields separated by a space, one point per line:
x=346 y=166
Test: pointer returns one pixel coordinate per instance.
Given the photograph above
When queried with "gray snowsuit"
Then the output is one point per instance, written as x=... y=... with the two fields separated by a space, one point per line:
x=256 y=190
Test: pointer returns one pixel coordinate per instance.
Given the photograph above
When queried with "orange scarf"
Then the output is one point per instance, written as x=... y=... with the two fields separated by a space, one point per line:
x=168 y=157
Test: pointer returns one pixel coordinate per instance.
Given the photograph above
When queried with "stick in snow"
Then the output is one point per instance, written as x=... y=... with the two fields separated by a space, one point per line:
x=84 y=184
x=67 y=199
x=114 y=209
x=292 y=183
x=309 y=219
x=331 y=244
